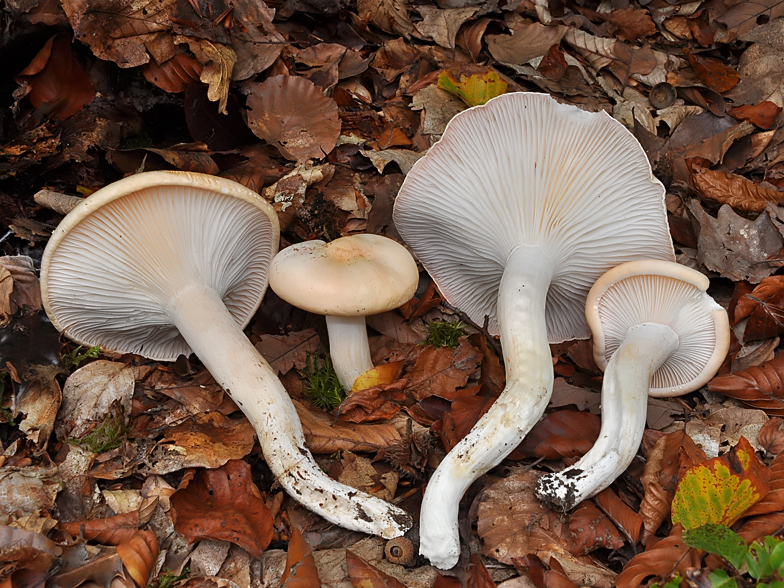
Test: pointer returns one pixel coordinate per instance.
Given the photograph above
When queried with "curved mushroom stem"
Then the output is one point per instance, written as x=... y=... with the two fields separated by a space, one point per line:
x=627 y=380
x=348 y=348
x=205 y=323
x=529 y=383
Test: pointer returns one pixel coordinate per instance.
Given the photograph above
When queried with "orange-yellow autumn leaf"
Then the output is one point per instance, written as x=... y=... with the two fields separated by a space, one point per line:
x=475 y=89
x=379 y=375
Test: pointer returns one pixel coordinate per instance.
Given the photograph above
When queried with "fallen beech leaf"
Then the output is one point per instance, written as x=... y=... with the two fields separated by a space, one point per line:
x=139 y=554
x=721 y=489
x=669 y=555
x=493 y=376
x=566 y=433
x=758 y=387
x=553 y=65
x=291 y=113
x=373 y=404
x=762 y=115
x=462 y=416
x=26 y=557
x=475 y=89
x=773 y=501
x=175 y=74
x=771 y=437
x=364 y=575
x=224 y=505
x=379 y=375
x=670 y=454
x=620 y=513
x=527 y=41
x=737 y=248
x=744 y=16
x=218 y=61
x=441 y=371
x=391 y=16
x=110 y=531
x=632 y=23
x=441 y=25
x=747 y=299
x=284 y=352
x=323 y=437
x=19 y=285
x=301 y=571
x=477 y=574
x=57 y=82
x=735 y=190
x=714 y=73
x=591 y=529
x=447 y=582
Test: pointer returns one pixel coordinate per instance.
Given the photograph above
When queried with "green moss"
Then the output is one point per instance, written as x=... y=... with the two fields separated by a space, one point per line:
x=74 y=359
x=168 y=578
x=445 y=334
x=108 y=435
x=323 y=387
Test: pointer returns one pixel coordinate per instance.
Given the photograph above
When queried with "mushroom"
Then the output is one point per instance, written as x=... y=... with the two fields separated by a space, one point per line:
x=655 y=332
x=165 y=263
x=346 y=280
x=515 y=212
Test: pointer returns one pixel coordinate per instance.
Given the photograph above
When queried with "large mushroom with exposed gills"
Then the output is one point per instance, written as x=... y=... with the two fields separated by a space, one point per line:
x=168 y=263
x=656 y=332
x=515 y=212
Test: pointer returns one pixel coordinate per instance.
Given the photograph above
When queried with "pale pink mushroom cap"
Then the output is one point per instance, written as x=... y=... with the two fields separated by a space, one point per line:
x=118 y=257
x=652 y=291
x=524 y=169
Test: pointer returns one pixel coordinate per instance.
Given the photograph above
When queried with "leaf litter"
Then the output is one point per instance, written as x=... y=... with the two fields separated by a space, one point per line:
x=323 y=107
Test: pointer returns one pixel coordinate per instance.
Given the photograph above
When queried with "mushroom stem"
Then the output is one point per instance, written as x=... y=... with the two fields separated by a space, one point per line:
x=348 y=348
x=627 y=380
x=522 y=297
x=204 y=321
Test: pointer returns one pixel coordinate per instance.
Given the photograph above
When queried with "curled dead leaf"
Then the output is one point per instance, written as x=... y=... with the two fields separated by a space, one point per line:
x=301 y=571
x=735 y=190
x=759 y=387
x=666 y=556
x=139 y=553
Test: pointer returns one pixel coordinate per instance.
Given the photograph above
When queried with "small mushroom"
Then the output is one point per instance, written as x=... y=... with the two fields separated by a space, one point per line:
x=346 y=280
x=165 y=263
x=656 y=332
x=515 y=212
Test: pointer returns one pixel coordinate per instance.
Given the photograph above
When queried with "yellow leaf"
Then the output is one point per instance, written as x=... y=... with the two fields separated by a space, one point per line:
x=473 y=90
x=383 y=374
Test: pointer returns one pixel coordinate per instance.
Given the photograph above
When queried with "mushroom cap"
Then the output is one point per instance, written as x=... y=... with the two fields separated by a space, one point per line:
x=116 y=260
x=358 y=275
x=526 y=170
x=653 y=291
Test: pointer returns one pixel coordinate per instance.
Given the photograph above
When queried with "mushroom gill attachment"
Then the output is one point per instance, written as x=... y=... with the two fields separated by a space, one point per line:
x=168 y=263
x=515 y=212
x=656 y=332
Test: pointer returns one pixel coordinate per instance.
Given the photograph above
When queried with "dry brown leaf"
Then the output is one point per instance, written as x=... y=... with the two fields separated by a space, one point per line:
x=391 y=16
x=225 y=505
x=527 y=41
x=735 y=190
x=441 y=371
x=747 y=298
x=110 y=531
x=139 y=554
x=714 y=73
x=565 y=433
x=620 y=513
x=632 y=23
x=591 y=529
x=477 y=575
x=301 y=571
x=744 y=16
x=291 y=113
x=322 y=437
x=284 y=352
x=463 y=414
x=441 y=25
x=513 y=523
x=18 y=276
x=26 y=554
x=364 y=575
x=671 y=455
x=218 y=61
x=773 y=501
x=759 y=387
x=771 y=437
x=373 y=404
x=764 y=307
x=175 y=74
x=762 y=115
x=666 y=556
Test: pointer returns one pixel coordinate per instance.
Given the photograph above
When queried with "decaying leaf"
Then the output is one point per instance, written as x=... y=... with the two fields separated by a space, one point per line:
x=284 y=352
x=223 y=504
x=475 y=89
x=390 y=16
x=621 y=514
x=175 y=74
x=721 y=489
x=669 y=555
x=527 y=41
x=565 y=433
x=291 y=113
x=735 y=190
x=591 y=529
x=301 y=571
x=365 y=575
x=759 y=387
x=764 y=307
x=771 y=438
x=139 y=554
x=442 y=25
x=442 y=371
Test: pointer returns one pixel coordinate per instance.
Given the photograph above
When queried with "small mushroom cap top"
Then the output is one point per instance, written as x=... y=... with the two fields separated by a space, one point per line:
x=654 y=291
x=526 y=170
x=358 y=275
x=116 y=260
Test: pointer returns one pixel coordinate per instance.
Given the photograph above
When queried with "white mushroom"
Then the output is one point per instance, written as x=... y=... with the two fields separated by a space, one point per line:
x=655 y=332
x=514 y=213
x=346 y=280
x=165 y=263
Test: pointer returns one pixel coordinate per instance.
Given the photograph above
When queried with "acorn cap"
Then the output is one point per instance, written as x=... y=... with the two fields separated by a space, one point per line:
x=357 y=275
x=653 y=291
x=116 y=260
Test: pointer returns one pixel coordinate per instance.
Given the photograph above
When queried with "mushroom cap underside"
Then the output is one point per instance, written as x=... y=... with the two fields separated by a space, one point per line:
x=526 y=170
x=358 y=275
x=115 y=261
x=654 y=291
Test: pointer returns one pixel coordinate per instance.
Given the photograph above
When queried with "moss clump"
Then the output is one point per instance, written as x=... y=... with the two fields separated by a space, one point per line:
x=323 y=387
x=445 y=334
x=74 y=359
x=108 y=435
